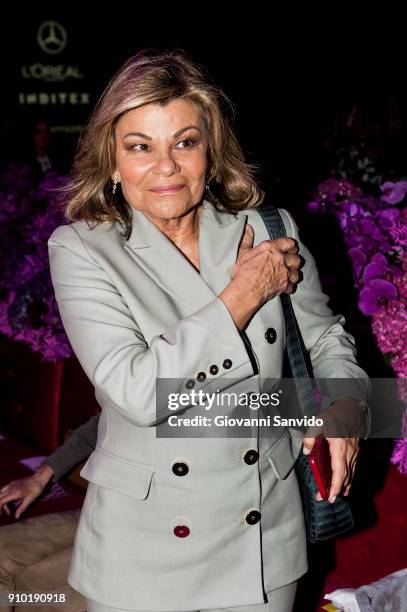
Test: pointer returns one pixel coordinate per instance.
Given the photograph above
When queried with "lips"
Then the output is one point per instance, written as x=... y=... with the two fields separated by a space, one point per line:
x=168 y=189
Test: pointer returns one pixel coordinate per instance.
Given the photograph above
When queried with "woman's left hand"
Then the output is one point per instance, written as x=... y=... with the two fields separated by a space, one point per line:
x=343 y=415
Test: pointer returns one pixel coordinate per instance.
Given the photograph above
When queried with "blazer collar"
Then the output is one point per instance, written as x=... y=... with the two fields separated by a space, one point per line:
x=219 y=237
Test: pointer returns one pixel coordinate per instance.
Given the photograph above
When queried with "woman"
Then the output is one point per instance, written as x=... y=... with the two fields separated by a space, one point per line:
x=176 y=280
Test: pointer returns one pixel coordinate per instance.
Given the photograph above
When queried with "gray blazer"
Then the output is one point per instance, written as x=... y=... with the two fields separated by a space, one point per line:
x=184 y=523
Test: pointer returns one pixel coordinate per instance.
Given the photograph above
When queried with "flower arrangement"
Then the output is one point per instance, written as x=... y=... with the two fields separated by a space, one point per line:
x=28 y=215
x=375 y=234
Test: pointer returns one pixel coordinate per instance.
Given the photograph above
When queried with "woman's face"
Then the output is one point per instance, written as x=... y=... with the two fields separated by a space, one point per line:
x=161 y=146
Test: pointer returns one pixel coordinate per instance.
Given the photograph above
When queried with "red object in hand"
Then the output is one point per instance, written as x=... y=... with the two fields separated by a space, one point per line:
x=320 y=462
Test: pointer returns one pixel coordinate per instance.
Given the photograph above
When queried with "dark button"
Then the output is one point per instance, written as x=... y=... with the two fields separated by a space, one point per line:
x=214 y=369
x=180 y=469
x=181 y=531
x=201 y=376
x=271 y=335
x=190 y=384
x=227 y=364
x=253 y=517
x=251 y=456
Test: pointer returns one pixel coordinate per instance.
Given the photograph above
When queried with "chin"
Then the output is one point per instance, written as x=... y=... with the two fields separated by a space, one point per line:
x=171 y=209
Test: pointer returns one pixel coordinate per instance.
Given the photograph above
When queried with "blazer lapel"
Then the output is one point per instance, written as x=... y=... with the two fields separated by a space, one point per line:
x=219 y=237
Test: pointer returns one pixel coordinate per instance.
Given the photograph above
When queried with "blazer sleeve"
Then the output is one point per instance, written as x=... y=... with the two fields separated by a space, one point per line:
x=331 y=348
x=112 y=350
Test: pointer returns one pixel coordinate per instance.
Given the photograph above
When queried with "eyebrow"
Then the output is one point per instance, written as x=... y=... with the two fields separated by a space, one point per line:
x=175 y=135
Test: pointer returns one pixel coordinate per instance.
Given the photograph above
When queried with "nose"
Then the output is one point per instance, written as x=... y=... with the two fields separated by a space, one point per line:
x=165 y=163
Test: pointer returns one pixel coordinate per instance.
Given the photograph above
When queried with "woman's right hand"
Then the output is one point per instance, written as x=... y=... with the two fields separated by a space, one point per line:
x=259 y=274
x=25 y=489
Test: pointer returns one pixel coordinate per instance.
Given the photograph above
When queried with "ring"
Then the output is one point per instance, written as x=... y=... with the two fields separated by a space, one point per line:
x=293 y=276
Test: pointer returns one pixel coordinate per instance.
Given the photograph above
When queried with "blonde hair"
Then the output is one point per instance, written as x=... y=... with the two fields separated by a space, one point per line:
x=153 y=76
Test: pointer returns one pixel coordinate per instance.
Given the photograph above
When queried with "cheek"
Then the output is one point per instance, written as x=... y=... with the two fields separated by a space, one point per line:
x=197 y=166
x=130 y=171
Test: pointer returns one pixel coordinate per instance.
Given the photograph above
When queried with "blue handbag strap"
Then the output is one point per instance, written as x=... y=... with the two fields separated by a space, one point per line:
x=304 y=384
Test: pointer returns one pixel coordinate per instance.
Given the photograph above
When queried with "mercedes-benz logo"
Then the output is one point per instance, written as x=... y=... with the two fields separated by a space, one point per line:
x=52 y=37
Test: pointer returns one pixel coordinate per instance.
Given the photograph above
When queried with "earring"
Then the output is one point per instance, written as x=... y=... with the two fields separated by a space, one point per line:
x=115 y=181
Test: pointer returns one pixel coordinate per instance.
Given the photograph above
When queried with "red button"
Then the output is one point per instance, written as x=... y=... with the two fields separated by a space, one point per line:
x=181 y=531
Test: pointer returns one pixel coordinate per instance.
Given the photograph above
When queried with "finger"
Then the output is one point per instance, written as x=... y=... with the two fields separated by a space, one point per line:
x=291 y=287
x=247 y=241
x=293 y=276
x=4 y=506
x=352 y=467
x=348 y=481
x=12 y=496
x=292 y=261
x=4 y=491
x=337 y=449
x=287 y=245
x=348 y=478
x=308 y=444
x=24 y=505
x=19 y=512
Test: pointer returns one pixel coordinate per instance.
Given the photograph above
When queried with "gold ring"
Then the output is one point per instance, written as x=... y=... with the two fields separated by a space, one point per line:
x=293 y=276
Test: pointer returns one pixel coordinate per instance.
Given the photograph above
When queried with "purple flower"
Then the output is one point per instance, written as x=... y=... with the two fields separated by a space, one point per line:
x=352 y=208
x=376 y=268
x=375 y=234
x=28 y=216
x=399 y=236
x=358 y=261
x=369 y=228
x=375 y=293
x=393 y=193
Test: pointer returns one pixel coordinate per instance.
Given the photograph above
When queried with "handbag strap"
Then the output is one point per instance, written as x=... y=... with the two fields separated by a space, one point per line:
x=304 y=384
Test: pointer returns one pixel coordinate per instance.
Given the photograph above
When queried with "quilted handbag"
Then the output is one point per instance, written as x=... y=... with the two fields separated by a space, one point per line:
x=323 y=520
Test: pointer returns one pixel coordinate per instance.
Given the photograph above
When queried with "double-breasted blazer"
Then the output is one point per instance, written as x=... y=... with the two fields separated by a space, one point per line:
x=227 y=526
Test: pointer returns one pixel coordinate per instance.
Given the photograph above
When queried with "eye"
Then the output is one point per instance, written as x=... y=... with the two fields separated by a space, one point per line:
x=189 y=142
x=133 y=147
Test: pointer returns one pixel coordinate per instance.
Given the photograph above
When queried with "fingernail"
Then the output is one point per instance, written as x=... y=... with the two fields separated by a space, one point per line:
x=306 y=450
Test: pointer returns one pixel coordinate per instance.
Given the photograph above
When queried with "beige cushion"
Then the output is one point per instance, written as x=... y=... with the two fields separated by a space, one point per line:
x=49 y=576
x=29 y=542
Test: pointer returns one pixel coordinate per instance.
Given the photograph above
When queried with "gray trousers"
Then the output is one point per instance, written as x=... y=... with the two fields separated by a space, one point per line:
x=279 y=600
